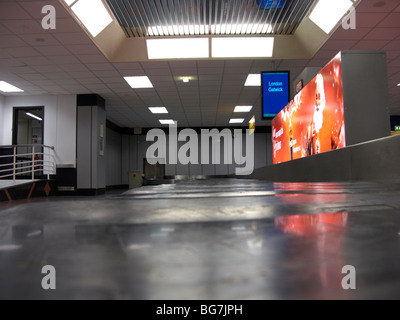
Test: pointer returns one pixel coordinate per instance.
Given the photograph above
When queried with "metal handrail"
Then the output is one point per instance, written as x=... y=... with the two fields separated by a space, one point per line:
x=46 y=165
x=27 y=145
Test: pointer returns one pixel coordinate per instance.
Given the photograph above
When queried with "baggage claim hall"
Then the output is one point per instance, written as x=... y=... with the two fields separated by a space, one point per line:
x=199 y=150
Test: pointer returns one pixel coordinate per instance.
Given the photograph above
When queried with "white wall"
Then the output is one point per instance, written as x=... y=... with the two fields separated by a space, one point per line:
x=59 y=123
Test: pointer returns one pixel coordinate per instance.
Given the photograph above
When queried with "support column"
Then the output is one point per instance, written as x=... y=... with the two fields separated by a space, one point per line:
x=91 y=140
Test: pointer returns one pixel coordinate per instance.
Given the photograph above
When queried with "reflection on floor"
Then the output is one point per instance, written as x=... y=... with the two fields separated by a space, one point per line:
x=215 y=239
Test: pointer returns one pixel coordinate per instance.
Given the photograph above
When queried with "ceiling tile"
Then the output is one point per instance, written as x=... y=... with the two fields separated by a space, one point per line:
x=368 y=19
x=106 y=74
x=100 y=66
x=53 y=50
x=351 y=34
x=392 y=46
x=390 y=21
x=74 y=67
x=377 y=6
x=80 y=74
x=37 y=40
x=10 y=41
x=383 y=34
x=90 y=58
x=338 y=45
x=22 y=52
x=73 y=38
x=64 y=60
x=19 y=26
x=370 y=45
x=79 y=49
x=34 y=8
x=67 y=25
x=12 y=11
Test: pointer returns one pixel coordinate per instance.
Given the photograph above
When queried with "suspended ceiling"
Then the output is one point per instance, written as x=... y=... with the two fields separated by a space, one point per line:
x=68 y=61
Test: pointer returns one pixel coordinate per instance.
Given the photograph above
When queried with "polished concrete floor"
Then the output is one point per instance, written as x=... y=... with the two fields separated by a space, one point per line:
x=206 y=240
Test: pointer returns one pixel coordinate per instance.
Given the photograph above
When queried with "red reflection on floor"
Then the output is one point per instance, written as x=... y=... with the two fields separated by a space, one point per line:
x=323 y=234
x=311 y=224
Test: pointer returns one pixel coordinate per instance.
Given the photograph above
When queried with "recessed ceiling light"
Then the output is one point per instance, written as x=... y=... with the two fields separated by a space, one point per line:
x=253 y=80
x=328 y=13
x=239 y=47
x=158 y=110
x=33 y=116
x=398 y=85
x=236 y=121
x=243 y=109
x=9 y=88
x=142 y=82
x=167 y=121
x=185 y=79
x=177 y=48
x=93 y=14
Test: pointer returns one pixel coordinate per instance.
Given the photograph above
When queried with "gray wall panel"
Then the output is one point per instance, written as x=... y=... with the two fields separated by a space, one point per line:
x=365 y=95
x=84 y=147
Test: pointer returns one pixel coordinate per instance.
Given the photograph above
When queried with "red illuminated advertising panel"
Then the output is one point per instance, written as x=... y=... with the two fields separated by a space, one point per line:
x=313 y=122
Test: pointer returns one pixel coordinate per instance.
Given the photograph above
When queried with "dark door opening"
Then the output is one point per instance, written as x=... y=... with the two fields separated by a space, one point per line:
x=28 y=131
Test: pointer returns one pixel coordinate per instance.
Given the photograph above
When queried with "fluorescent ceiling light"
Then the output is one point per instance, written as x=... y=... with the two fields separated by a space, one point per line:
x=167 y=121
x=158 y=110
x=253 y=80
x=236 y=121
x=250 y=47
x=243 y=109
x=69 y=2
x=93 y=14
x=328 y=13
x=177 y=48
x=182 y=30
x=398 y=85
x=33 y=116
x=8 y=88
x=139 y=82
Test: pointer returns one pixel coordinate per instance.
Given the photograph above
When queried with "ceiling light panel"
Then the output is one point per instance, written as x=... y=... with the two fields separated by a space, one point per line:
x=240 y=47
x=236 y=121
x=142 y=82
x=328 y=13
x=9 y=88
x=167 y=121
x=253 y=80
x=93 y=15
x=193 y=48
x=158 y=110
x=243 y=109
